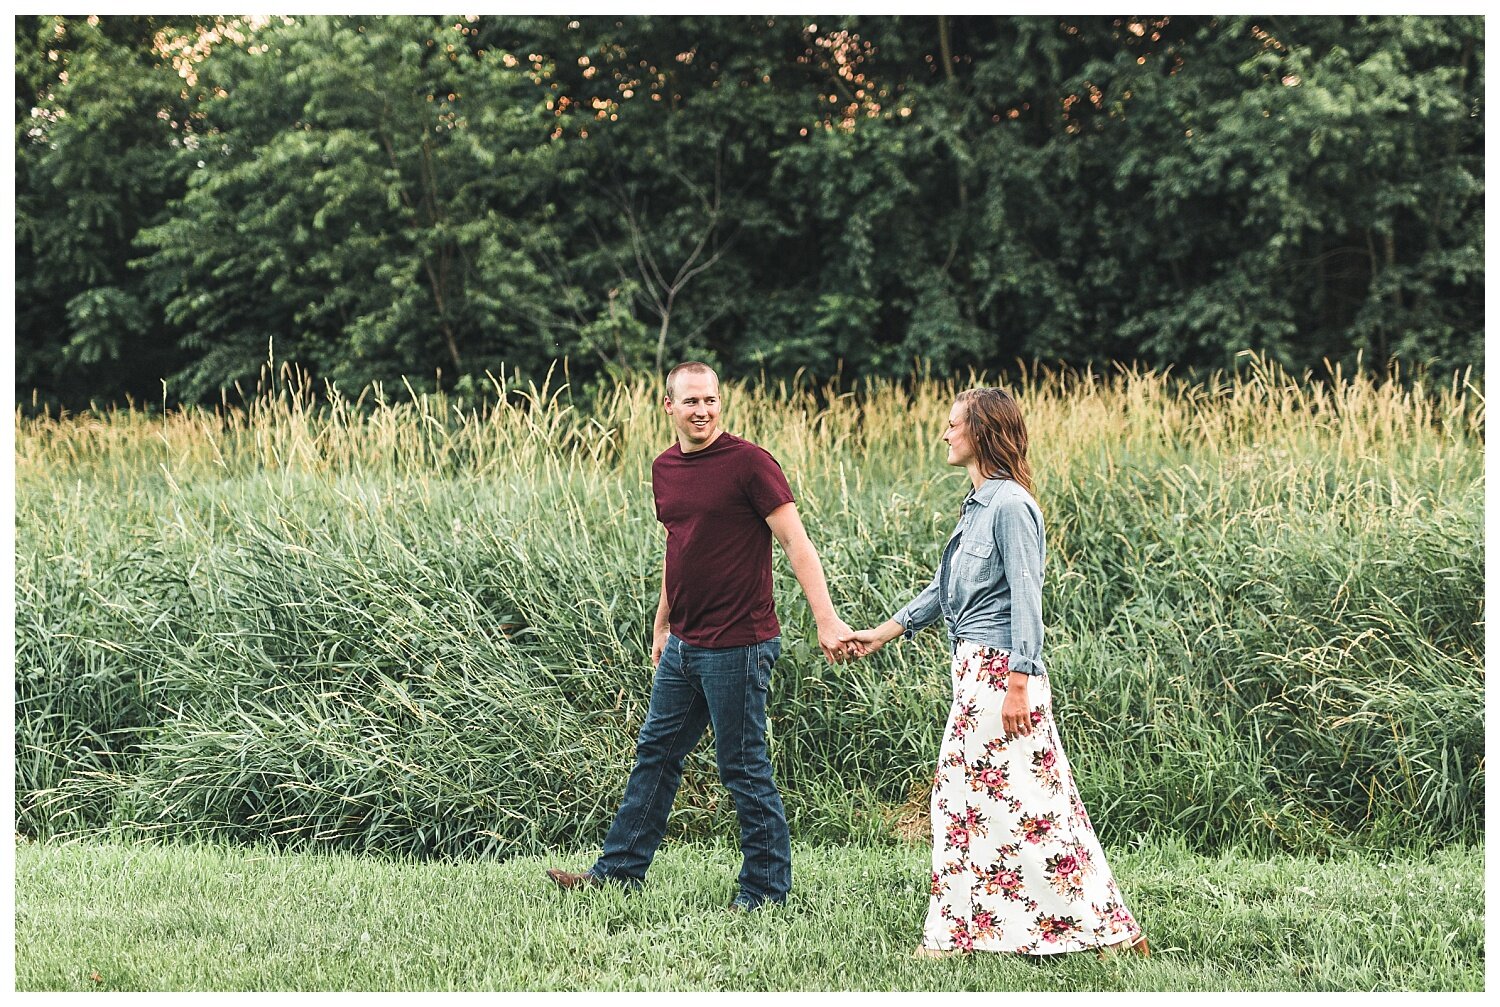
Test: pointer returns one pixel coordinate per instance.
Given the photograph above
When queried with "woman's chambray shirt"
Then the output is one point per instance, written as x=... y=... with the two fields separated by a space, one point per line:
x=988 y=587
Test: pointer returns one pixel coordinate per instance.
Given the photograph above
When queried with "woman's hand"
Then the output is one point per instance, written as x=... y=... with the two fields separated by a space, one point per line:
x=865 y=642
x=1015 y=712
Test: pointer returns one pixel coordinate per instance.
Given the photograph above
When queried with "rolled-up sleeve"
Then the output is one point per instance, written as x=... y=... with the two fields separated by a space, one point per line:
x=922 y=610
x=1018 y=534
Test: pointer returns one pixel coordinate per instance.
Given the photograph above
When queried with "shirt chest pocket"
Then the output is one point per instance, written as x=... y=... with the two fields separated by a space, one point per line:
x=976 y=561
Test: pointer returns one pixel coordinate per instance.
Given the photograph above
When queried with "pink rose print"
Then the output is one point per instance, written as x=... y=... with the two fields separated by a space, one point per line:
x=1085 y=859
x=988 y=780
x=995 y=671
x=1035 y=828
x=1065 y=872
x=964 y=720
x=984 y=924
x=1056 y=928
x=1044 y=766
x=1001 y=880
x=958 y=930
x=1013 y=802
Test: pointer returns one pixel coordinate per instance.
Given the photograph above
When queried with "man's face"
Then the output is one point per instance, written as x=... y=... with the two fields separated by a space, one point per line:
x=694 y=409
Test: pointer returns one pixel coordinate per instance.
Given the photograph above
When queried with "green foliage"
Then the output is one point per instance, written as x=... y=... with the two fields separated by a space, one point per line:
x=388 y=197
x=99 y=156
x=422 y=627
x=368 y=208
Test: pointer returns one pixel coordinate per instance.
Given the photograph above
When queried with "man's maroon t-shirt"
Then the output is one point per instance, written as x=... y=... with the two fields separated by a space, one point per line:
x=714 y=504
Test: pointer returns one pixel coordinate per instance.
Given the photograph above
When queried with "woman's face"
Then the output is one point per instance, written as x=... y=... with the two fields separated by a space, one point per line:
x=960 y=445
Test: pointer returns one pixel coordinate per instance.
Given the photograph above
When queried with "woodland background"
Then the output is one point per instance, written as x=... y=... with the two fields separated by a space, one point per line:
x=436 y=197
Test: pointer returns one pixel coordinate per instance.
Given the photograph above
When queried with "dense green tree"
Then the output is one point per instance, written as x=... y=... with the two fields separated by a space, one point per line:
x=99 y=155
x=401 y=196
x=1316 y=199
x=366 y=200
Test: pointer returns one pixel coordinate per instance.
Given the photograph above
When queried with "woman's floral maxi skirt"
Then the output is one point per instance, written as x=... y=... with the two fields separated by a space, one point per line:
x=1015 y=863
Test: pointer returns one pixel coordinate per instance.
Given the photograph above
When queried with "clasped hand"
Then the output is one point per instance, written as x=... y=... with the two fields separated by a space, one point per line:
x=841 y=643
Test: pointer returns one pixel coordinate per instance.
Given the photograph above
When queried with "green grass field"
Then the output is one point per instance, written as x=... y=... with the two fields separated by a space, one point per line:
x=416 y=630
x=216 y=918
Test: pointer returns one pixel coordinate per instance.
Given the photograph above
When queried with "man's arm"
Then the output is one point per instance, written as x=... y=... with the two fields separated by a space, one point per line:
x=786 y=525
x=661 y=627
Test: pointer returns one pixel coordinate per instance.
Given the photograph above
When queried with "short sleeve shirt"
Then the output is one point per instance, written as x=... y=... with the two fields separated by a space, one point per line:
x=714 y=504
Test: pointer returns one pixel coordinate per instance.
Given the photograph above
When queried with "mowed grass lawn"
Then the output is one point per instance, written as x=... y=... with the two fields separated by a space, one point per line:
x=139 y=917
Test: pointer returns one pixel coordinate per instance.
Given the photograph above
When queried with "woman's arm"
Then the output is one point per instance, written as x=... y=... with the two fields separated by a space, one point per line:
x=919 y=612
x=923 y=610
x=1018 y=537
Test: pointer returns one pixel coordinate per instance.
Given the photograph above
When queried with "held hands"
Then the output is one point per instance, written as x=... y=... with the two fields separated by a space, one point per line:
x=864 y=642
x=833 y=637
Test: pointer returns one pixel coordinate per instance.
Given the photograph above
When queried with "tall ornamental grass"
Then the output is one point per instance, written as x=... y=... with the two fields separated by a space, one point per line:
x=420 y=624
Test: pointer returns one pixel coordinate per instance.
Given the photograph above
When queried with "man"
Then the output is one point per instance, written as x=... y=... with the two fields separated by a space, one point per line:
x=715 y=641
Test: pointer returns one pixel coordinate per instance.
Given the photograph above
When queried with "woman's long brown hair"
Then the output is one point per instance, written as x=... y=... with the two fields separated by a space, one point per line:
x=998 y=433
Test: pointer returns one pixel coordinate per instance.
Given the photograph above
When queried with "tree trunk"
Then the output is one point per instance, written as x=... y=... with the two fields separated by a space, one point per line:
x=437 y=298
x=661 y=341
x=945 y=45
x=1380 y=340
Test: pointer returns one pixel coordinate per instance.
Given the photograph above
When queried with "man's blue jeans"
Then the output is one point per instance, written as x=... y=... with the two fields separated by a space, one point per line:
x=696 y=686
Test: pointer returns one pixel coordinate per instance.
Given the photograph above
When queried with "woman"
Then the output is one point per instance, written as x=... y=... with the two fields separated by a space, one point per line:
x=1015 y=863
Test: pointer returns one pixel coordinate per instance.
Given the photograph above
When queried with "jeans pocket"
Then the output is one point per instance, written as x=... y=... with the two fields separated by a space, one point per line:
x=666 y=652
x=764 y=656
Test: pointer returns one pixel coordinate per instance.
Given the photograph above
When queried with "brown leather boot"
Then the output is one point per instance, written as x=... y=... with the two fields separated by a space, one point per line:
x=567 y=879
x=1139 y=946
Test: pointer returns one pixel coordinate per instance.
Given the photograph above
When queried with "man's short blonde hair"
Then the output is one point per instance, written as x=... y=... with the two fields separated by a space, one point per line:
x=688 y=367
